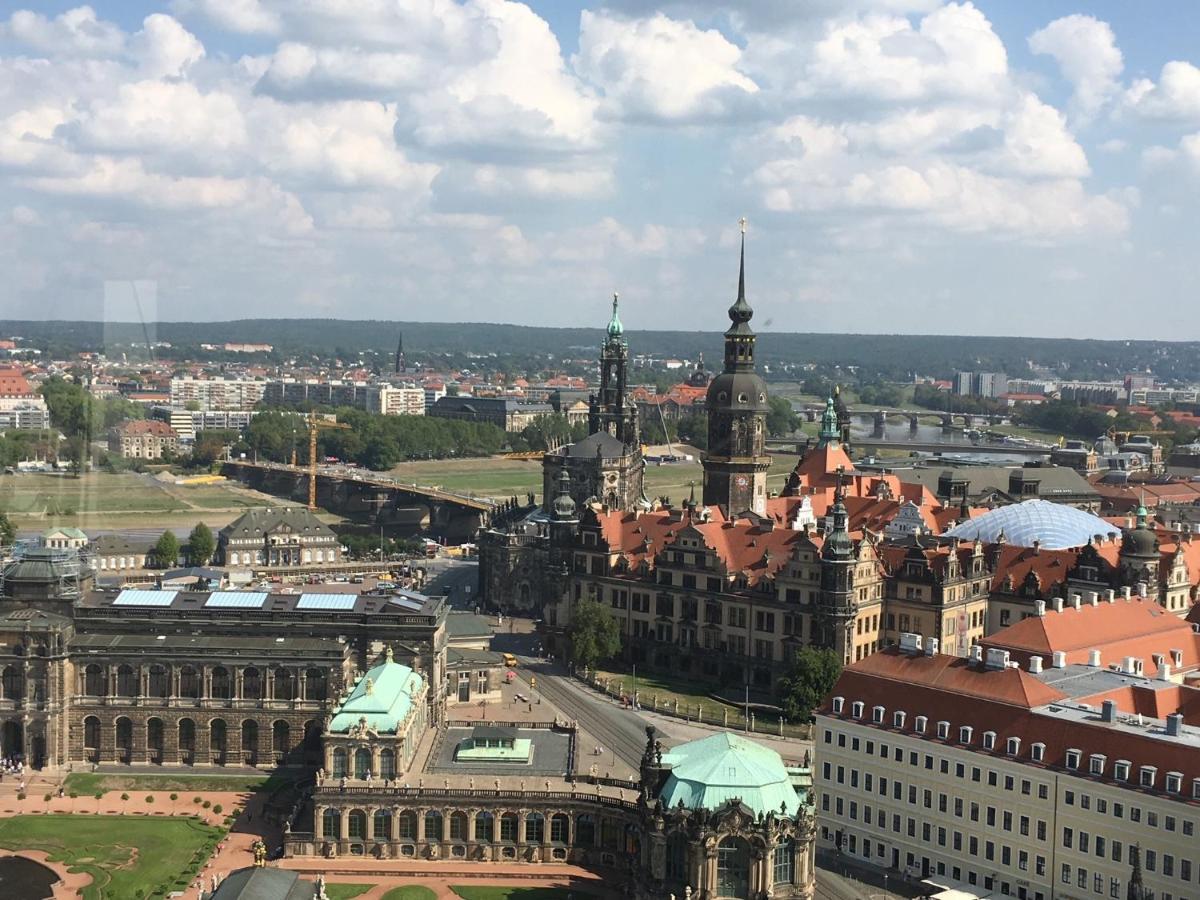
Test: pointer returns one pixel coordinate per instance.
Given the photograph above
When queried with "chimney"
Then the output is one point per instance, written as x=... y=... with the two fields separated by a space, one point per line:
x=1164 y=671
x=1142 y=589
x=1035 y=665
x=1174 y=724
x=1110 y=595
x=1059 y=659
x=997 y=658
x=931 y=646
x=1039 y=607
x=1094 y=659
x=910 y=643
x=977 y=652
x=1129 y=665
x=1125 y=592
x=1108 y=711
x=1093 y=598
x=1058 y=604
x=1075 y=601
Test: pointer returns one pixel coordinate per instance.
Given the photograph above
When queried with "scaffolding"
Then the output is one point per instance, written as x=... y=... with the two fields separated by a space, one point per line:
x=57 y=573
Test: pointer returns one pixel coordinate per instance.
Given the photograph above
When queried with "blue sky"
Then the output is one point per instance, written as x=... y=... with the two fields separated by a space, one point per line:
x=906 y=165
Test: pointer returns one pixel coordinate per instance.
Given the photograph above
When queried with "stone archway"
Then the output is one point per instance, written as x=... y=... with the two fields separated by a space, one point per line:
x=12 y=739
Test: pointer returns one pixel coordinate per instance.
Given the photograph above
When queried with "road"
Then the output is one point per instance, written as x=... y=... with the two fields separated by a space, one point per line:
x=457 y=579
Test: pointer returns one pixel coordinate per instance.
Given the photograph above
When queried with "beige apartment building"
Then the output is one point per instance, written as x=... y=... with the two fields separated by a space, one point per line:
x=1007 y=774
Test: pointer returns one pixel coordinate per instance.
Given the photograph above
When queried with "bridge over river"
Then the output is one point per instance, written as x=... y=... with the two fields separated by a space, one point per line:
x=358 y=492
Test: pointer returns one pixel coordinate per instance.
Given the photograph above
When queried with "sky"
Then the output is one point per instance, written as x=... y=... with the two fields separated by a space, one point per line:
x=905 y=166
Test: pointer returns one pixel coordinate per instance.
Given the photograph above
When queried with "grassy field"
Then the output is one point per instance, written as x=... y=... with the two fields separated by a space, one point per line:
x=409 y=892
x=88 y=783
x=127 y=856
x=344 y=891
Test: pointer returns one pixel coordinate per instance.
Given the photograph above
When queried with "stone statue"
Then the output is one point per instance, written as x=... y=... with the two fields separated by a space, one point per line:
x=320 y=892
x=320 y=777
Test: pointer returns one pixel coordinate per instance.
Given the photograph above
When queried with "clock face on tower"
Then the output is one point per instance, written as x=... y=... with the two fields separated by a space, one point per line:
x=742 y=481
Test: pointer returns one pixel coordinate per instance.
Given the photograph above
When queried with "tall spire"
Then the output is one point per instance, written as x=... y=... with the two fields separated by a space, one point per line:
x=830 y=433
x=614 y=324
x=741 y=313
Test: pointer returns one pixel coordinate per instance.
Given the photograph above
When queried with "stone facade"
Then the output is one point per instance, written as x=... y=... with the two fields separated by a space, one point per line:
x=275 y=538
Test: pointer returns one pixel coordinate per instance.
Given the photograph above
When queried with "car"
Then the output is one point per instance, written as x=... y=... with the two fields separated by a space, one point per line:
x=510 y=661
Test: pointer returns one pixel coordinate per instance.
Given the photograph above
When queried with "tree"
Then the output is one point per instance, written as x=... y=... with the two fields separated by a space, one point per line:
x=782 y=419
x=166 y=551
x=594 y=634
x=8 y=531
x=201 y=544
x=811 y=676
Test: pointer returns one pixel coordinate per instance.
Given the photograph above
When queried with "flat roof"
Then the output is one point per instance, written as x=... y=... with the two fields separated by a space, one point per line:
x=138 y=602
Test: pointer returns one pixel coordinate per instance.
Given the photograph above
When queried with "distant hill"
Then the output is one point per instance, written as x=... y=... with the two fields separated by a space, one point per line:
x=890 y=355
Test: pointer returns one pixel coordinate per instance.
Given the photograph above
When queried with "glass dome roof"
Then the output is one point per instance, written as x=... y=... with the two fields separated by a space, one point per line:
x=1053 y=525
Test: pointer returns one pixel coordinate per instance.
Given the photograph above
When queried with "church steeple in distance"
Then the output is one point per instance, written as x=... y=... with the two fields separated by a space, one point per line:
x=736 y=463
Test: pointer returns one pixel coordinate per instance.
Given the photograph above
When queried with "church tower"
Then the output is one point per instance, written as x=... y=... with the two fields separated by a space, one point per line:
x=612 y=410
x=735 y=465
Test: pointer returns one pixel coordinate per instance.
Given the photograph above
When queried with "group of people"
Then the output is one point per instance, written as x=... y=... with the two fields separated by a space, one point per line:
x=13 y=766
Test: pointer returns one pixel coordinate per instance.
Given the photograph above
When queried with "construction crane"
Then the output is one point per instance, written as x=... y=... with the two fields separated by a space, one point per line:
x=314 y=425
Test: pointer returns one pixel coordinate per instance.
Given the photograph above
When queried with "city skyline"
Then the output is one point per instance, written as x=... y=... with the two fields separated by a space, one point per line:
x=907 y=166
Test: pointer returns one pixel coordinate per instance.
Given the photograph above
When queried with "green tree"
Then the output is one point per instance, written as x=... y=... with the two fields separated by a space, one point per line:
x=8 y=531
x=810 y=677
x=201 y=544
x=166 y=551
x=782 y=419
x=594 y=634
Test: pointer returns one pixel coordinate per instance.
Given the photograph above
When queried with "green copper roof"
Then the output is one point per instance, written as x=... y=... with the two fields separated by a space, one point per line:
x=707 y=773
x=615 y=328
x=829 y=425
x=383 y=697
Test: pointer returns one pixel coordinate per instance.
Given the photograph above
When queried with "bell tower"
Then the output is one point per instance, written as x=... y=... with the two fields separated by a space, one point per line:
x=612 y=410
x=736 y=463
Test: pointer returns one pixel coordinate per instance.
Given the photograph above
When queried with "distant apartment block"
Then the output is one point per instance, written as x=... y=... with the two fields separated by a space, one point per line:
x=980 y=384
x=1152 y=396
x=396 y=401
x=190 y=422
x=216 y=393
x=288 y=392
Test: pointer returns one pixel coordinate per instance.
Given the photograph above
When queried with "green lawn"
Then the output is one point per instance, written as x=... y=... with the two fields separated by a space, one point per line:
x=514 y=893
x=59 y=496
x=127 y=856
x=87 y=783
x=410 y=892
x=346 y=891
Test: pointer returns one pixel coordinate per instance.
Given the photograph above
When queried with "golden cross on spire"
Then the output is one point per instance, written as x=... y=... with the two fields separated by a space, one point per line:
x=742 y=222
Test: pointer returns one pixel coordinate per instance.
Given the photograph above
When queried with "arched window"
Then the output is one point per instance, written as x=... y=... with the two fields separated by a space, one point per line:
x=159 y=682
x=251 y=684
x=387 y=764
x=458 y=826
x=314 y=684
x=362 y=763
x=285 y=684
x=331 y=824
x=381 y=825
x=93 y=681
x=733 y=868
x=406 y=828
x=91 y=738
x=189 y=683
x=339 y=763
x=154 y=739
x=784 y=861
x=126 y=681
x=433 y=825
x=677 y=847
x=250 y=741
x=187 y=736
x=13 y=684
x=124 y=729
x=220 y=683
x=485 y=827
x=508 y=828
x=560 y=828
x=535 y=828
x=356 y=825
x=281 y=738
x=217 y=741
x=585 y=830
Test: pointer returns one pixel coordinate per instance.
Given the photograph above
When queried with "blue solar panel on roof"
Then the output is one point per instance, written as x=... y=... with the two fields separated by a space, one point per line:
x=1054 y=526
x=236 y=599
x=144 y=598
x=407 y=603
x=326 y=601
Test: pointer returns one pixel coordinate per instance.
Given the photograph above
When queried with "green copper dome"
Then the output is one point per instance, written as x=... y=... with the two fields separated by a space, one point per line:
x=708 y=773
x=383 y=697
x=829 y=424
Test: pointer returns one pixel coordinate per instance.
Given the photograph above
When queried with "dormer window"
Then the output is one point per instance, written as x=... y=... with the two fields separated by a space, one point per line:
x=877 y=715
x=1147 y=776
x=838 y=703
x=920 y=724
x=1196 y=788
x=943 y=730
x=989 y=740
x=856 y=709
x=1174 y=782
x=1121 y=770
x=1014 y=746
x=1037 y=752
x=898 y=719
x=964 y=734
x=1096 y=763
x=1073 y=757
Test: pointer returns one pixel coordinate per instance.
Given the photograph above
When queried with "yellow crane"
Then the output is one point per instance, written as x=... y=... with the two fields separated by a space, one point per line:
x=314 y=425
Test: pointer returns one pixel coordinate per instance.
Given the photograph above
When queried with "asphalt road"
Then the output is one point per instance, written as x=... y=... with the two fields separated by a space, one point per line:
x=457 y=579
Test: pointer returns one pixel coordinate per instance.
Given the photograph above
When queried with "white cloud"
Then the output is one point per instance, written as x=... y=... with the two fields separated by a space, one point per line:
x=243 y=16
x=540 y=181
x=1086 y=51
x=76 y=32
x=659 y=68
x=1176 y=96
x=164 y=48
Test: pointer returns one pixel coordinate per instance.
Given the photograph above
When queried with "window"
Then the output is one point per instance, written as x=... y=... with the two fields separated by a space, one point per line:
x=784 y=862
x=1121 y=770
x=1073 y=759
x=943 y=731
x=919 y=724
x=1147 y=776
x=989 y=740
x=964 y=736
x=1174 y=782
x=898 y=719
x=1037 y=752
x=1096 y=764
x=1014 y=747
